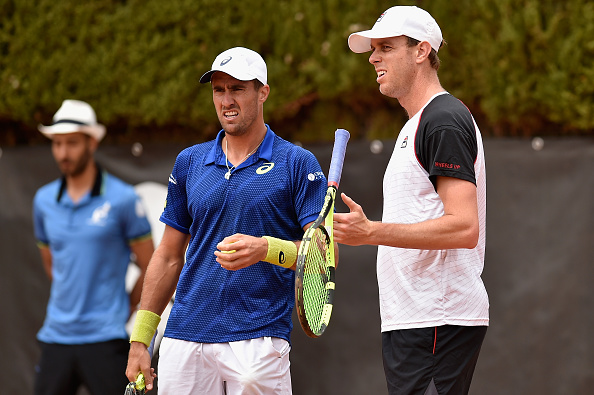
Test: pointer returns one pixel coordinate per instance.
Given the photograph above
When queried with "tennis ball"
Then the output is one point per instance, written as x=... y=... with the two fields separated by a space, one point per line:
x=230 y=251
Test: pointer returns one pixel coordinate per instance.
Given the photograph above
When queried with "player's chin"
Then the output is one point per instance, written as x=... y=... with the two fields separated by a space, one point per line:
x=65 y=165
x=233 y=129
x=67 y=171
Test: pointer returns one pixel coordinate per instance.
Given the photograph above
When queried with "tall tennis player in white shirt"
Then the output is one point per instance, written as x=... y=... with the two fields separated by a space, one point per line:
x=431 y=240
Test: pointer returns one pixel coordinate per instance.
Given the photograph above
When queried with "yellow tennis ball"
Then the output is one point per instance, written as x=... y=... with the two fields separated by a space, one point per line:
x=230 y=251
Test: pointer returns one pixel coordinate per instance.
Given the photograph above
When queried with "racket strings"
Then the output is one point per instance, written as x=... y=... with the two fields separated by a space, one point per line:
x=315 y=278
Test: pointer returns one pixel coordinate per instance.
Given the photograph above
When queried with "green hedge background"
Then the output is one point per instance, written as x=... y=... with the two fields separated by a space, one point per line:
x=524 y=68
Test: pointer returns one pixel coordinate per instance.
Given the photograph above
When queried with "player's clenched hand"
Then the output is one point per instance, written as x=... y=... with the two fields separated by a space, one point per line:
x=139 y=360
x=238 y=251
x=351 y=228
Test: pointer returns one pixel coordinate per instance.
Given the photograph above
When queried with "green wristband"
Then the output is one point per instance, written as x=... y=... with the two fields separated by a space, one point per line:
x=145 y=327
x=282 y=253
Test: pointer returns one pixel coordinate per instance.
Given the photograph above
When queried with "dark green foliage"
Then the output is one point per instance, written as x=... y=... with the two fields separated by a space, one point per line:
x=523 y=67
x=527 y=65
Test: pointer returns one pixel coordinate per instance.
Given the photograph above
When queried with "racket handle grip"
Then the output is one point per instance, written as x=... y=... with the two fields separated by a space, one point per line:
x=341 y=138
x=151 y=347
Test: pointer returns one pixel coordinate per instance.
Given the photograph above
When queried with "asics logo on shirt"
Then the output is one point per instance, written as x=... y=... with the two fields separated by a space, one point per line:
x=265 y=168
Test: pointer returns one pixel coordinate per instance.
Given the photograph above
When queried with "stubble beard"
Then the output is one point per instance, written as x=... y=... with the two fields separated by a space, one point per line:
x=80 y=165
x=246 y=120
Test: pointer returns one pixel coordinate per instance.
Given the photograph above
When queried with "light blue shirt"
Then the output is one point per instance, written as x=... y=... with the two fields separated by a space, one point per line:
x=89 y=243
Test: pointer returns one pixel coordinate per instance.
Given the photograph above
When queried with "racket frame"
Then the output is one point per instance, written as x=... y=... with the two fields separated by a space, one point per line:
x=327 y=216
x=341 y=138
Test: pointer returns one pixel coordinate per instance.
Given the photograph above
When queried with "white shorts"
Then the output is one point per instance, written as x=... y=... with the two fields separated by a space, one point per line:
x=247 y=367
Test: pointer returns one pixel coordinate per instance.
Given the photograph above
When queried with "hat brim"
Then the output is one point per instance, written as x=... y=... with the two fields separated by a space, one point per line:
x=360 y=42
x=238 y=75
x=96 y=131
x=206 y=77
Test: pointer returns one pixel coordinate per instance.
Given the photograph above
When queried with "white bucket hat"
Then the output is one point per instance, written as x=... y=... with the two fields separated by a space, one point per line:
x=240 y=63
x=74 y=116
x=409 y=21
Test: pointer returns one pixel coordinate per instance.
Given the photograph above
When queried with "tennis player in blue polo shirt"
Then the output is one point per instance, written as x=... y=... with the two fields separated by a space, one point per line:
x=87 y=223
x=240 y=203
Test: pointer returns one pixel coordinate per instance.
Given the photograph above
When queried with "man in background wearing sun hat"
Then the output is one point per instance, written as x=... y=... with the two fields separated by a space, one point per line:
x=431 y=241
x=87 y=224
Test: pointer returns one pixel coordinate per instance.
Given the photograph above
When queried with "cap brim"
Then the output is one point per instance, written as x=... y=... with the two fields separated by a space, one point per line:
x=206 y=76
x=361 y=41
x=238 y=75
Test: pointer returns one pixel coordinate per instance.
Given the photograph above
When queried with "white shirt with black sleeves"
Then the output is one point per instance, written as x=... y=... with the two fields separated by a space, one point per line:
x=425 y=288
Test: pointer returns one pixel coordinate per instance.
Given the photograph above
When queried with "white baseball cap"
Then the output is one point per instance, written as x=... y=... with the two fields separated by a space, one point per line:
x=240 y=63
x=74 y=116
x=409 y=21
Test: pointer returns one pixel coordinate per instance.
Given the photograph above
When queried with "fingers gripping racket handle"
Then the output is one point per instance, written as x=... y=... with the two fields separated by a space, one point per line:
x=138 y=387
x=341 y=138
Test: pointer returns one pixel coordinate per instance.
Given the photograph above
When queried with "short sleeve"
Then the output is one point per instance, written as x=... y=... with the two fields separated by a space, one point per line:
x=310 y=187
x=136 y=225
x=38 y=221
x=175 y=213
x=452 y=153
x=446 y=142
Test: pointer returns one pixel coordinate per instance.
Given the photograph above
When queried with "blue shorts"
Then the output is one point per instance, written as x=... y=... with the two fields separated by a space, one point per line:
x=431 y=361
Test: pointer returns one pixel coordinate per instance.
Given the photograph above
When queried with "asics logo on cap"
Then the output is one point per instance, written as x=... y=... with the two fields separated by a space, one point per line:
x=226 y=60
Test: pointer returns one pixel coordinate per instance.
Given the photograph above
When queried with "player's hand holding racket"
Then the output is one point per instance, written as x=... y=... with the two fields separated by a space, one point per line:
x=138 y=387
x=315 y=271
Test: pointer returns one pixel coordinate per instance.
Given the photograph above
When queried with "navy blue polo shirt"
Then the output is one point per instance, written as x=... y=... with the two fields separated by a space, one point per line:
x=275 y=192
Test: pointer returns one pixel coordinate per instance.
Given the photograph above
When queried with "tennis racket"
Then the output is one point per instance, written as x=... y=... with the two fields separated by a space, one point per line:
x=315 y=269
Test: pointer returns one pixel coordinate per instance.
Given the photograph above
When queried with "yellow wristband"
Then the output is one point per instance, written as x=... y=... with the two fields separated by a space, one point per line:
x=145 y=327
x=282 y=253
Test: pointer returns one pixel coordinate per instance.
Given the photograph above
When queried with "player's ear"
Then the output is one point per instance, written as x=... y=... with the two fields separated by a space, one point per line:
x=263 y=93
x=93 y=144
x=423 y=51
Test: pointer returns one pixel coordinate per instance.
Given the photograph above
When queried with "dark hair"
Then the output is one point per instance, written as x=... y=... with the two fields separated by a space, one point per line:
x=433 y=58
x=257 y=84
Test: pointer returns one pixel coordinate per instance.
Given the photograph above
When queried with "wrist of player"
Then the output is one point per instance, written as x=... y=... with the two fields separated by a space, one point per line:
x=145 y=326
x=280 y=252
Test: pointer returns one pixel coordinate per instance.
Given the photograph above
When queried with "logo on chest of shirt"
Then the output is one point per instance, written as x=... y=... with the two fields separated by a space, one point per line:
x=404 y=142
x=100 y=215
x=265 y=168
